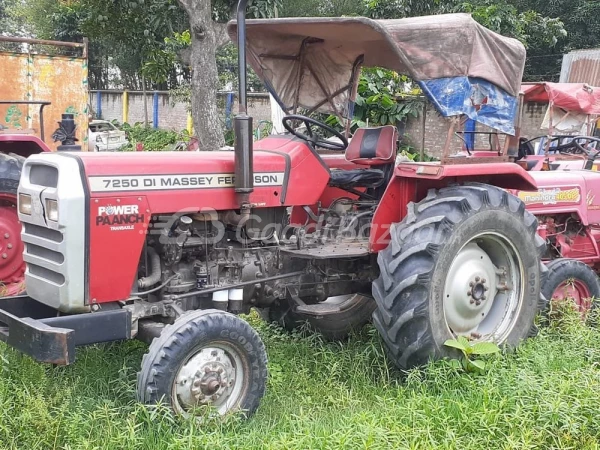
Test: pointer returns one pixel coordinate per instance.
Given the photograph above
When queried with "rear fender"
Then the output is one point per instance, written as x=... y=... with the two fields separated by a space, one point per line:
x=411 y=182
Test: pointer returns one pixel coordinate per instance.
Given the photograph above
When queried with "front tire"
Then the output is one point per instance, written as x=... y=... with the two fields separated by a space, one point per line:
x=464 y=261
x=208 y=358
x=572 y=279
x=12 y=266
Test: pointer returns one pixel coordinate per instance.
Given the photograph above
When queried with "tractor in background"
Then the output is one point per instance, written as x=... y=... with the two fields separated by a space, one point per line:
x=566 y=211
x=27 y=74
x=170 y=247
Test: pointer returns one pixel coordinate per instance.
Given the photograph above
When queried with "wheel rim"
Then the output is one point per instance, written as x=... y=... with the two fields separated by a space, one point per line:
x=574 y=290
x=212 y=376
x=12 y=266
x=483 y=292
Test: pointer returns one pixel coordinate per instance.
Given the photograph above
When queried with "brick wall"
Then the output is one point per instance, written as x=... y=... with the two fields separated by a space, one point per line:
x=436 y=130
x=173 y=117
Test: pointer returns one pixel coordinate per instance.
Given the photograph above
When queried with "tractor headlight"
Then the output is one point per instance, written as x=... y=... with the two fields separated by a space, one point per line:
x=52 y=210
x=25 y=206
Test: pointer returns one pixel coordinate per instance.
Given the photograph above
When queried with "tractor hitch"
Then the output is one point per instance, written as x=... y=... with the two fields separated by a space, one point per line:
x=36 y=330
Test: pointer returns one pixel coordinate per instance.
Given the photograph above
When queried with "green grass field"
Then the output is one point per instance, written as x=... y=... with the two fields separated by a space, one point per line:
x=322 y=396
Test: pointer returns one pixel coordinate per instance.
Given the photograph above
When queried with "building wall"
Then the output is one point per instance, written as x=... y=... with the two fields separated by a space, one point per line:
x=436 y=130
x=172 y=117
x=259 y=106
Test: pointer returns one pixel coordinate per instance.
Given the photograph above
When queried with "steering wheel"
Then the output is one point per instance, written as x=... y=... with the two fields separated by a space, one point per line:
x=593 y=153
x=312 y=137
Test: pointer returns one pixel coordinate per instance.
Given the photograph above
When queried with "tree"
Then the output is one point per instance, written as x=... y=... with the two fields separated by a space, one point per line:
x=207 y=36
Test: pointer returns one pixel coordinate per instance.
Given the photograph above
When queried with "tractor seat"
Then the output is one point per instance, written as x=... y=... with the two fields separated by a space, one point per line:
x=368 y=147
x=367 y=178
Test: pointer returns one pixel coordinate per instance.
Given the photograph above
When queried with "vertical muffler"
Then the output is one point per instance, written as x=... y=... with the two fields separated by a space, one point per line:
x=242 y=122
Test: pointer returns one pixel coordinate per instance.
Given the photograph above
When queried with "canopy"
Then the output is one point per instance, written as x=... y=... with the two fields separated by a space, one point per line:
x=575 y=97
x=462 y=67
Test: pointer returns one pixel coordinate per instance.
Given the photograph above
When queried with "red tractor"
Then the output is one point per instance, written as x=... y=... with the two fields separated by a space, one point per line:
x=565 y=202
x=15 y=146
x=170 y=247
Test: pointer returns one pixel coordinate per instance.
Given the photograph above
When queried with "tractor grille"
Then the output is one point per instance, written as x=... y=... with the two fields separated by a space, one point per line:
x=54 y=251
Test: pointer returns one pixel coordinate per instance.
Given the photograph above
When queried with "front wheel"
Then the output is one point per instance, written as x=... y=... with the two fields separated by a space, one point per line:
x=206 y=358
x=465 y=261
x=12 y=266
x=569 y=279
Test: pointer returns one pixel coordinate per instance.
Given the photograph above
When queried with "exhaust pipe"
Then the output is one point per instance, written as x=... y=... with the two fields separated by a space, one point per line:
x=242 y=122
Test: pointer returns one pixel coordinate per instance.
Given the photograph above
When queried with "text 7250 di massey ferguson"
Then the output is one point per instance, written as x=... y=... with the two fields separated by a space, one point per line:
x=169 y=247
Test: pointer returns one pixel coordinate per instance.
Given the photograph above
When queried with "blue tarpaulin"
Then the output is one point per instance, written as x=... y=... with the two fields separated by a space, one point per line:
x=476 y=98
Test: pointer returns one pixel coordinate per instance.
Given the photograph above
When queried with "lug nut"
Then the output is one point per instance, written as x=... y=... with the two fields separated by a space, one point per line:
x=214 y=397
x=485 y=288
x=483 y=297
x=471 y=284
x=477 y=279
x=483 y=280
x=220 y=370
x=4 y=256
x=206 y=369
x=6 y=235
x=477 y=303
x=471 y=301
x=9 y=246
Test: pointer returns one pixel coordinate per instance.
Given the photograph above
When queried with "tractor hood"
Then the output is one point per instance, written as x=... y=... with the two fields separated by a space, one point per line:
x=173 y=181
x=462 y=67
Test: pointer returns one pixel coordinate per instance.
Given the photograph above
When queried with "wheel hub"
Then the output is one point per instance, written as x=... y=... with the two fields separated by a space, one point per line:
x=575 y=290
x=470 y=289
x=12 y=266
x=209 y=377
x=482 y=289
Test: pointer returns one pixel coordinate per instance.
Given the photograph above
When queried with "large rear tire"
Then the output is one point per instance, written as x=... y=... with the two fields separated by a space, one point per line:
x=464 y=261
x=12 y=266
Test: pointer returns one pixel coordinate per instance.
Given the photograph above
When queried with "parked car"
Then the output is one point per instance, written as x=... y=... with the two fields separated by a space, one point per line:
x=103 y=136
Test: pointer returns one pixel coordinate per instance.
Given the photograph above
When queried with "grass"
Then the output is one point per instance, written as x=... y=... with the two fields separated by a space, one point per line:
x=322 y=396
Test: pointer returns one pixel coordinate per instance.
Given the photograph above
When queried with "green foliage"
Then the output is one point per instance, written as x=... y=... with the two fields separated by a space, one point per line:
x=320 y=395
x=227 y=66
x=154 y=139
x=470 y=349
x=383 y=98
x=389 y=9
x=410 y=153
x=159 y=62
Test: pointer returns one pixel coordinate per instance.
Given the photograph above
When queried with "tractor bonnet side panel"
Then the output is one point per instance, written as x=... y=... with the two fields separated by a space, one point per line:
x=118 y=227
x=559 y=192
x=128 y=189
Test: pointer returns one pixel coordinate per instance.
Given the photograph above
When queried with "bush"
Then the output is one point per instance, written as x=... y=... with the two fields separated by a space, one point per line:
x=154 y=139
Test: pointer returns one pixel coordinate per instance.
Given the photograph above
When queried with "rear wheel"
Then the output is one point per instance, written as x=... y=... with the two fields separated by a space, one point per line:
x=12 y=267
x=574 y=280
x=464 y=261
x=335 y=326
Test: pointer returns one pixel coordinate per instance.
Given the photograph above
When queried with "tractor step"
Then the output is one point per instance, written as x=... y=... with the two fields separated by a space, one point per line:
x=329 y=251
x=331 y=306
